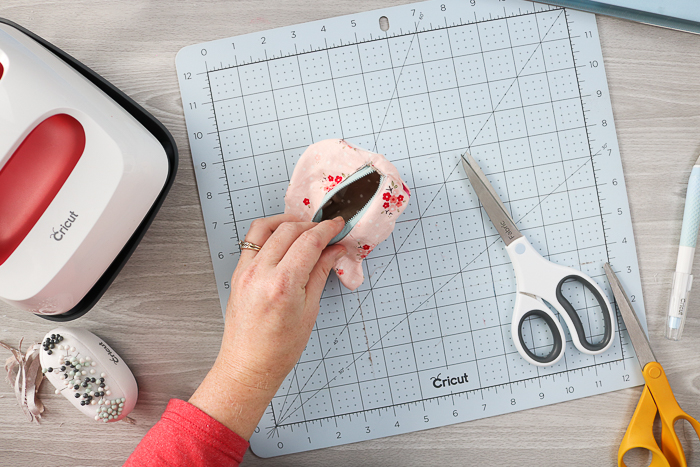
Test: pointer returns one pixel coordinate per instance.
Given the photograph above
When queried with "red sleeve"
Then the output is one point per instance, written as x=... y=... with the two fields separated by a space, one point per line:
x=186 y=436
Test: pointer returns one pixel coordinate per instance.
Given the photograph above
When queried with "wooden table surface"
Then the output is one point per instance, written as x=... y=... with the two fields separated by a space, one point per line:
x=162 y=313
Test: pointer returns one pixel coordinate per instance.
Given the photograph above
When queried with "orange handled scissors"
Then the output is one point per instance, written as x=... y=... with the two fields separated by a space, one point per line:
x=657 y=396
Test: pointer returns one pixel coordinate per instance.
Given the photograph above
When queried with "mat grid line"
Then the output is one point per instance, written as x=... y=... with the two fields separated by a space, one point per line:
x=480 y=389
x=286 y=415
x=379 y=348
x=402 y=34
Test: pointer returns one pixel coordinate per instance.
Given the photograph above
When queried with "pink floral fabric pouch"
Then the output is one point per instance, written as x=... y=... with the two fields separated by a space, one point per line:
x=334 y=179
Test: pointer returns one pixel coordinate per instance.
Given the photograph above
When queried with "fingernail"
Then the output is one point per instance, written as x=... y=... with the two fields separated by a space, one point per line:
x=339 y=219
x=341 y=253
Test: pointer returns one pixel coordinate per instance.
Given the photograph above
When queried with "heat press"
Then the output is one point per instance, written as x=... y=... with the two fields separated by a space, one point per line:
x=83 y=172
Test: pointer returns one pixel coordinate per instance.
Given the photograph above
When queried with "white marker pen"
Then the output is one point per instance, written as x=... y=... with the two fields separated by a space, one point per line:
x=682 y=278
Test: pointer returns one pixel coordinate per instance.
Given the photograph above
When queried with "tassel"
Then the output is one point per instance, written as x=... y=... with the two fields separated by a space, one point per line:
x=24 y=374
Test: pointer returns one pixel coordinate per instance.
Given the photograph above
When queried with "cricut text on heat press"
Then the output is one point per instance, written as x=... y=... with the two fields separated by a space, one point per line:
x=63 y=228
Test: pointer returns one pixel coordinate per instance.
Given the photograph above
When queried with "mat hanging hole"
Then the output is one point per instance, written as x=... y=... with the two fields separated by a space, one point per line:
x=384 y=23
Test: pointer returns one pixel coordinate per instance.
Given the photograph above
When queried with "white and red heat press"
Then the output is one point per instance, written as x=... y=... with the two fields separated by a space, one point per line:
x=83 y=171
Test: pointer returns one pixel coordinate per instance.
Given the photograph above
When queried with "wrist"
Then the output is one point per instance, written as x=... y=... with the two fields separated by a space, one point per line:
x=233 y=398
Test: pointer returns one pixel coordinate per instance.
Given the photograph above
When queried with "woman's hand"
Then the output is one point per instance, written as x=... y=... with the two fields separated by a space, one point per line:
x=271 y=311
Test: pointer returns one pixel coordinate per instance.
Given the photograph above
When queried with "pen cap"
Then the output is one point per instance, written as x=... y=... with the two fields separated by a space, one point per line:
x=677 y=307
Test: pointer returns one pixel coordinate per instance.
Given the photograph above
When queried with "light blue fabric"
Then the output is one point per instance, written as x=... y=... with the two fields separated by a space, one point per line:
x=691 y=214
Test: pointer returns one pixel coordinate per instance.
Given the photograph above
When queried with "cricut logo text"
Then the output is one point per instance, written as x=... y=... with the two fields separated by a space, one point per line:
x=448 y=381
x=64 y=227
x=111 y=355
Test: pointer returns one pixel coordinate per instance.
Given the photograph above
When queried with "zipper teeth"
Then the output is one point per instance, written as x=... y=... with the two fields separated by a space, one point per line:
x=345 y=182
x=361 y=211
x=351 y=179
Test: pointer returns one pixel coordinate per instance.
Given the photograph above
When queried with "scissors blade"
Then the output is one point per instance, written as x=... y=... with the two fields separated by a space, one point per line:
x=641 y=344
x=490 y=201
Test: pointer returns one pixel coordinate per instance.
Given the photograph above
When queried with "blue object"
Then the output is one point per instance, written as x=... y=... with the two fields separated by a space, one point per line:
x=691 y=213
x=683 y=15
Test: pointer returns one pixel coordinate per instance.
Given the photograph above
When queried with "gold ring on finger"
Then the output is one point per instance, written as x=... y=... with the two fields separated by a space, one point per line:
x=248 y=246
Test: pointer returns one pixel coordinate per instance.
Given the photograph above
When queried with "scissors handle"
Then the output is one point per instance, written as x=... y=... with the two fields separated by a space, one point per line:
x=657 y=396
x=538 y=277
x=640 y=433
x=583 y=344
x=536 y=308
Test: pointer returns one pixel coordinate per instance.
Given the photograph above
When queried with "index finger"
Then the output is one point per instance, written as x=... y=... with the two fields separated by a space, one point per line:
x=304 y=253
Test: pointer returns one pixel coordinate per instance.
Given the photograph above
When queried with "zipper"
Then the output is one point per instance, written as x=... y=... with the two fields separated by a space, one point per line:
x=350 y=224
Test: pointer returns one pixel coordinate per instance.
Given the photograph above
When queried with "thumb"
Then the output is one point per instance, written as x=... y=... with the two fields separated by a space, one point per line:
x=319 y=274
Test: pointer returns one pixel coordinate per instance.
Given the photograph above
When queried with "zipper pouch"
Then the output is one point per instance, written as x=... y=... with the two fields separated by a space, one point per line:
x=333 y=178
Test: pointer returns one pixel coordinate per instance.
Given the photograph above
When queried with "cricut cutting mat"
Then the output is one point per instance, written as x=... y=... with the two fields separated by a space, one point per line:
x=426 y=340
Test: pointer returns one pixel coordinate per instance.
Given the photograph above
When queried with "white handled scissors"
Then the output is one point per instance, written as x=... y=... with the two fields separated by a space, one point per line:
x=538 y=281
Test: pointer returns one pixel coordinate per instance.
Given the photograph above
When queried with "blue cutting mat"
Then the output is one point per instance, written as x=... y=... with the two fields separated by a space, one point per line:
x=425 y=341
